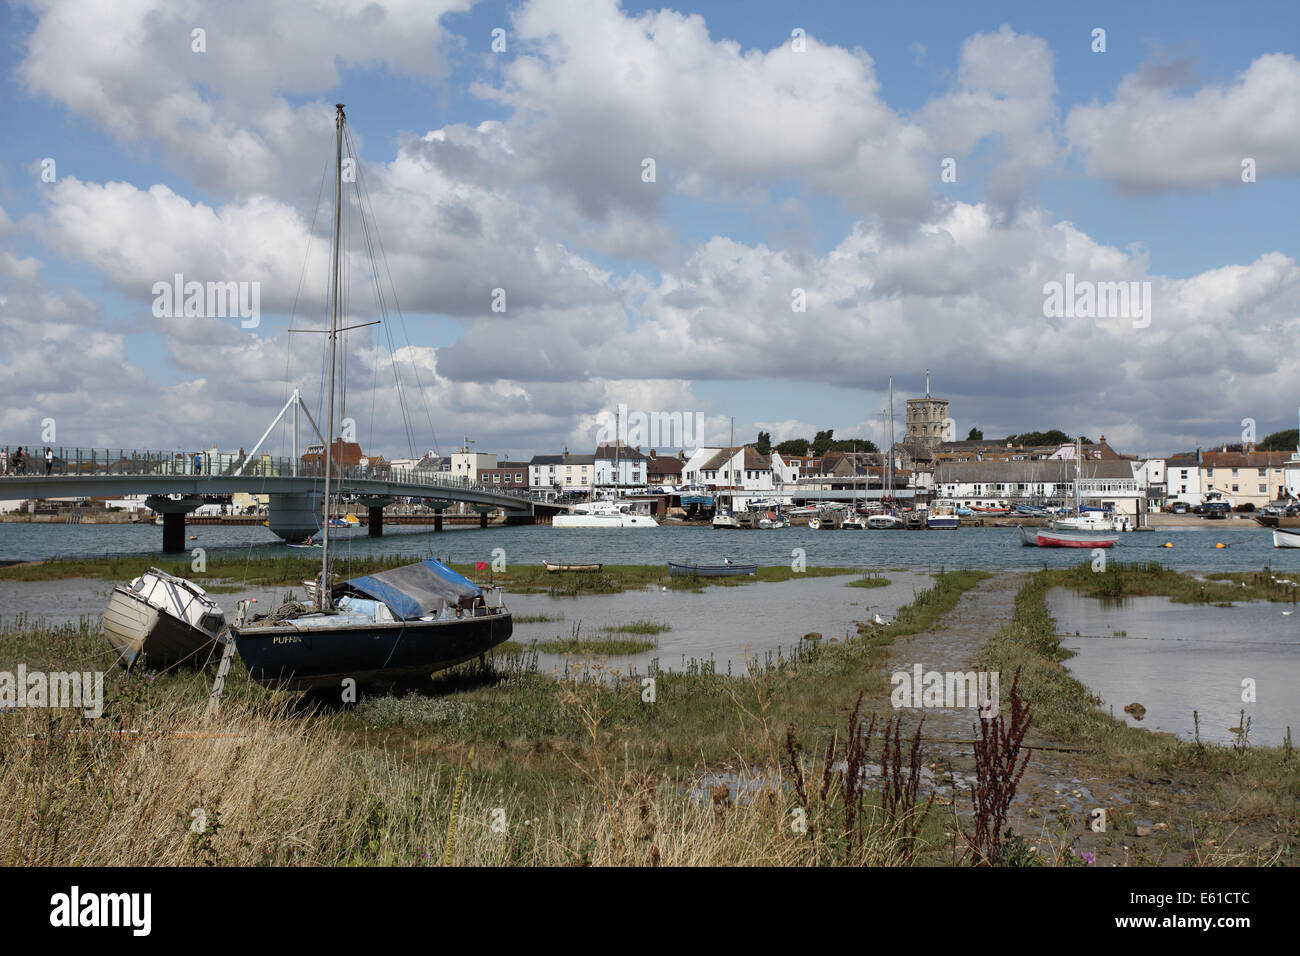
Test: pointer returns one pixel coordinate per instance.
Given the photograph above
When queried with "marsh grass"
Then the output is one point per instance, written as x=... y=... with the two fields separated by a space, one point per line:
x=870 y=579
x=583 y=769
x=1249 y=780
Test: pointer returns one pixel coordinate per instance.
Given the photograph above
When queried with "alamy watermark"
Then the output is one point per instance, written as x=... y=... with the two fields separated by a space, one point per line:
x=651 y=429
x=210 y=300
x=951 y=689
x=58 y=689
x=1085 y=299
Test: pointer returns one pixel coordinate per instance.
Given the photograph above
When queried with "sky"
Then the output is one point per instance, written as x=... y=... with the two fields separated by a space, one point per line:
x=841 y=193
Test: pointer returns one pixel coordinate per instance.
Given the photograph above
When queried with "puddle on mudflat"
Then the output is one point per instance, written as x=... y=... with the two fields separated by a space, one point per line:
x=725 y=625
x=1176 y=658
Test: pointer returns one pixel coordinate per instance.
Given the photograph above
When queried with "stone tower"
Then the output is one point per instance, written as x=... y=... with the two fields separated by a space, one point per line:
x=925 y=420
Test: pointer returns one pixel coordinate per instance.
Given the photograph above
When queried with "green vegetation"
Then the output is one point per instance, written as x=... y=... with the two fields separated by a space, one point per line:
x=1286 y=440
x=608 y=646
x=823 y=442
x=603 y=773
x=1121 y=580
x=870 y=579
x=1246 y=783
x=640 y=627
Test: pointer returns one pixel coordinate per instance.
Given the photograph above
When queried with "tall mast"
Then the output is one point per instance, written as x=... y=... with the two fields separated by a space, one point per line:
x=731 y=470
x=617 y=426
x=891 y=441
x=323 y=597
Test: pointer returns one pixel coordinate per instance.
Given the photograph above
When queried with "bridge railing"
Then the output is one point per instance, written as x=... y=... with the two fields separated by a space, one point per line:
x=123 y=462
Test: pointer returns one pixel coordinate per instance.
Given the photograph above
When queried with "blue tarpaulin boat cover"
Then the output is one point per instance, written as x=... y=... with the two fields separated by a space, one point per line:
x=413 y=591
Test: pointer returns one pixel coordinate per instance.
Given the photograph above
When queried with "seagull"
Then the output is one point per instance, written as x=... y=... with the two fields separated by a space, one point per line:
x=1287 y=613
x=726 y=560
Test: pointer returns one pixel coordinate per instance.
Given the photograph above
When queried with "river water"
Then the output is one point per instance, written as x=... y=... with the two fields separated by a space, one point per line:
x=1249 y=547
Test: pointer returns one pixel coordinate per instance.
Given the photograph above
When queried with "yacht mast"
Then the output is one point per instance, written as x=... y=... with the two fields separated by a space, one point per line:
x=323 y=597
x=891 y=444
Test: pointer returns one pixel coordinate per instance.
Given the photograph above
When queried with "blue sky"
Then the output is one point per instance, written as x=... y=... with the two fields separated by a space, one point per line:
x=519 y=170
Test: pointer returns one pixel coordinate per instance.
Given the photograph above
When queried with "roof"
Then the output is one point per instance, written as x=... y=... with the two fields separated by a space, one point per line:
x=1250 y=459
x=547 y=460
x=1046 y=472
x=667 y=465
x=753 y=461
x=625 y=453
x=579 y=459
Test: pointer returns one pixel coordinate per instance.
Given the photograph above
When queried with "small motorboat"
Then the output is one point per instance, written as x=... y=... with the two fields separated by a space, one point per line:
x=884 y=522
x=773 y=519
x=814 y=523
x=943 y=521
x=1286 y=538
x=556 y=568
x=725 y=520
x=852 y=523
x=168 y=619
x=710 y=570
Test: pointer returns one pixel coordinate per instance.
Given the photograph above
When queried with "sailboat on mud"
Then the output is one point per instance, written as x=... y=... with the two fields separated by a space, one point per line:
x=400 y=624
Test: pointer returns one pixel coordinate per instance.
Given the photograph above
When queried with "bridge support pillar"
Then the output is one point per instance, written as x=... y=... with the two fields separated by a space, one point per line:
x=437 y=520
x=482 y=519
x=375 y=509
x=173 y=511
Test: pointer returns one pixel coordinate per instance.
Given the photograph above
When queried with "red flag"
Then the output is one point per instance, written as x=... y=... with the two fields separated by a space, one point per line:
x=480 y=566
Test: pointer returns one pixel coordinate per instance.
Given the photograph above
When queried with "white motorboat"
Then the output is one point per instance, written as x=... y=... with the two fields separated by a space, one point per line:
x=1093 y=521
x=168 y=619
x=884 y=522
x=604 y=514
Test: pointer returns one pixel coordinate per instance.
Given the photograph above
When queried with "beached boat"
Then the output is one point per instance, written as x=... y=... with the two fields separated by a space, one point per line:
x=404 y=623
x=168 y=619
x=943 y=521
x=710 y=570
x=555 y=568
x=395 y=625
x=1286 y=538
x=1058 y=538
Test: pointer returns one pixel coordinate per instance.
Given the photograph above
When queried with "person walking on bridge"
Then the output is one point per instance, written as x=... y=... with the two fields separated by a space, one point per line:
x=4 y=461
x=20 y=466
x=49 y=460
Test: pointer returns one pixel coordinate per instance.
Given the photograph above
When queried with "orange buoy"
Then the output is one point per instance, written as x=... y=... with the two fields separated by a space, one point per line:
x=1220 y=545
x=1169 y=544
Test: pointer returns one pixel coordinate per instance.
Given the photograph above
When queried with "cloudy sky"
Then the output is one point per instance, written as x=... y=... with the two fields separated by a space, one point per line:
x=914 y=174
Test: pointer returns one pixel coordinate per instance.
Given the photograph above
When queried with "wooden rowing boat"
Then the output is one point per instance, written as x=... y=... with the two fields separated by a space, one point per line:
x=710 y=570
x=554 y=568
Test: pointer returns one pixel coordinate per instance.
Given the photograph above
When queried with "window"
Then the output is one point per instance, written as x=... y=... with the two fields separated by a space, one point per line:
x=1234 y=472
x=1263 y=489
x=1234 y=488
x=1261 y=473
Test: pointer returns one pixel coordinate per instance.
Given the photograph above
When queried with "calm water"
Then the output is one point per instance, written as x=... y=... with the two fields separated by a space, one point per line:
x=1176 y=658
x=728 y=626
x=1250 y=547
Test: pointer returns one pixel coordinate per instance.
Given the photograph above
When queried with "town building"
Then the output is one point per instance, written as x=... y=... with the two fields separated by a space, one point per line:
x=1245 y=477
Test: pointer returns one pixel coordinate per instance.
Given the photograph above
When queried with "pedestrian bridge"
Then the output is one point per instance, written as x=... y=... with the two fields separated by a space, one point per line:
x=177 y=481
